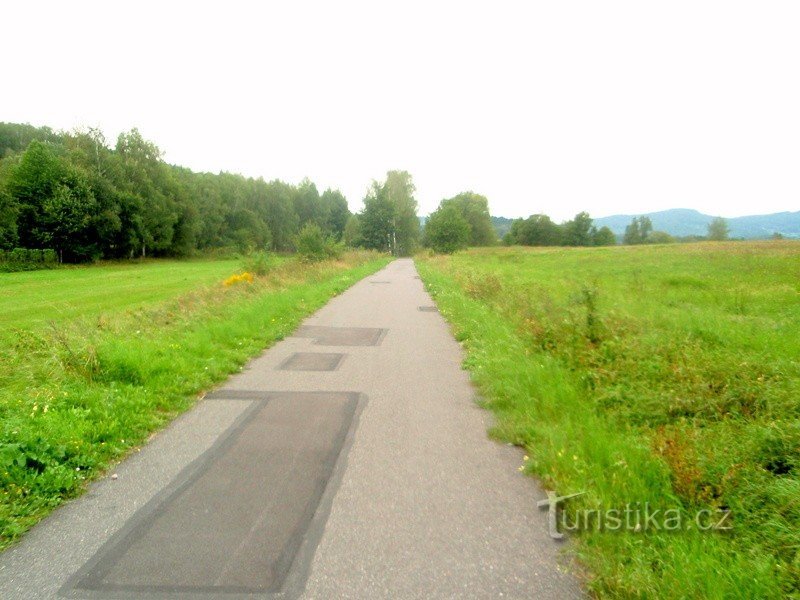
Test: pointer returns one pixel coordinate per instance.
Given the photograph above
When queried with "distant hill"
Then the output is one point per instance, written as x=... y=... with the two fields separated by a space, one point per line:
x=501 y=225
x=685 y=222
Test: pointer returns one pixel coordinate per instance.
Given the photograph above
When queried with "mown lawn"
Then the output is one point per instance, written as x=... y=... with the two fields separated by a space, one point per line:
x=36 y=297
x=662 y=375
x=77 y=394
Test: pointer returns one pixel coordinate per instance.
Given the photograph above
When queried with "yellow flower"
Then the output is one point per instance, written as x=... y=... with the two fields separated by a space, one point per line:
x=234 y=279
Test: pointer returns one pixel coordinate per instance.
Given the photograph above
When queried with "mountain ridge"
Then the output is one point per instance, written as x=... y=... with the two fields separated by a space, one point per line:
x=686 y=222
x=683 y=222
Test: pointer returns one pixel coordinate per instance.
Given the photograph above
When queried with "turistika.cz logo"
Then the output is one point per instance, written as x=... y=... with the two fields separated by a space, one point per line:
x=635 y=517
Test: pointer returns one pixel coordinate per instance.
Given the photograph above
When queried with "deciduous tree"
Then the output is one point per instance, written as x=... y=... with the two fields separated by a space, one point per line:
x=718 y=230
x=446 y=230
x=475 y=210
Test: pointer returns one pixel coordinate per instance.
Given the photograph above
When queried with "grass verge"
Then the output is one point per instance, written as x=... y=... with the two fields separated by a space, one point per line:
x=79 y=394
x=658 y=377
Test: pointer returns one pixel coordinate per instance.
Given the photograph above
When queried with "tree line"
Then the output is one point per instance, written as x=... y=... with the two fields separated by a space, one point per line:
x=640 y=231
x=540 y=230
x=464 y=220
x=75 y=194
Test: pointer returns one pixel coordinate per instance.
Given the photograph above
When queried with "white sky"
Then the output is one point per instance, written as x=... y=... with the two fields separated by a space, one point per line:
x=551 y=107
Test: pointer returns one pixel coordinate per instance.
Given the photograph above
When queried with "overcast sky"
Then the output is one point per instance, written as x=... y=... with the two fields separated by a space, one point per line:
x=554 y=107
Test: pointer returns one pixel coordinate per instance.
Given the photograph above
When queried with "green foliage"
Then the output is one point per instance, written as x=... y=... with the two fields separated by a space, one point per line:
x=665 y=376
x=313 y=245
x=579 y=231
x=377 y=220
x=338 y=211
x=718 y=230
x=389 y=221
x=540 y=230
x=502 y=226
x=8 y=221
x=638 y=231
x=15 y=137
x=446 y=230
x=78 y=396
x=74 y=193
x=310 y=243
x=308 y=204
x=23 y=259
x=603 y=237
x=660 y=237
x=259 y=263
x=352 y=232
x=399 y=189
x=474 y=208
x=536 y=230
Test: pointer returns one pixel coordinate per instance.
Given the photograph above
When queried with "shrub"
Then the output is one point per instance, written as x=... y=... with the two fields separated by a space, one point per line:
x=25 y=259
x=313 y=245
x=258 y=263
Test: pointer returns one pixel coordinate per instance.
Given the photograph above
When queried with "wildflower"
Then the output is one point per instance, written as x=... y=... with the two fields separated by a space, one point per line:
x=234 y=279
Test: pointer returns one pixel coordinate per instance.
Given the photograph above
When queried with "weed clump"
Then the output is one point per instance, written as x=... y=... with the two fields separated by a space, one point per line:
x=258 y=263
x=314 y=246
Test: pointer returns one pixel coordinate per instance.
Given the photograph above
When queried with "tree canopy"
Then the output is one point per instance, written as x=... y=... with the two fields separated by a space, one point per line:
x=389 y=220
x=638 y=231
x=447 y=230
x=718 y=230
x=75 y=194
x=540 y=230
x=474 y=209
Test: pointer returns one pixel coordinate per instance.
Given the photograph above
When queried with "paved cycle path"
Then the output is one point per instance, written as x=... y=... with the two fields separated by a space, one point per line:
x=348 y=461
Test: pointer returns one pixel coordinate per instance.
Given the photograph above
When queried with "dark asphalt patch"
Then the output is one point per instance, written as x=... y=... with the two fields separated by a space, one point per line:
x=428 y=308
x=244 y=519
x=342 y=336
x=380 y=282
x=231 y=394
x=312 y=361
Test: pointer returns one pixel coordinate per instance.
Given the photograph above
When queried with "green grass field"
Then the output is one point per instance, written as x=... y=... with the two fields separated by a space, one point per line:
x=34 y=297
x=666 y=375
x=131 y=348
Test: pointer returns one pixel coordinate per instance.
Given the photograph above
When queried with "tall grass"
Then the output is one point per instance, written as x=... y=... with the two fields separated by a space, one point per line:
x=79 y=394
x=662 y=375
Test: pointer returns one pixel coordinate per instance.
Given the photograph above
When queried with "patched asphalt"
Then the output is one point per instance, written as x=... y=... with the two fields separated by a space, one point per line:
x=357 y=470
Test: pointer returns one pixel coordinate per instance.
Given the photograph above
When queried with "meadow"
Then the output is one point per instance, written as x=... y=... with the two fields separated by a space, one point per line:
x=32 y=298
x=658 y=376
x=93 y=360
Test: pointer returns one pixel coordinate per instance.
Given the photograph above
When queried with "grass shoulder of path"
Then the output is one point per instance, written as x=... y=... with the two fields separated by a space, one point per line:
x=658 y=377
x=78 y=394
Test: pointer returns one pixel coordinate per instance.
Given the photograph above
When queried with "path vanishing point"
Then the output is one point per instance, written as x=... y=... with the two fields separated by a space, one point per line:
x=348 y=461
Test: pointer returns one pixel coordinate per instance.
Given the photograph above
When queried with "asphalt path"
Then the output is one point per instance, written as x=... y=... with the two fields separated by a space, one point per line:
x=348 y=461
